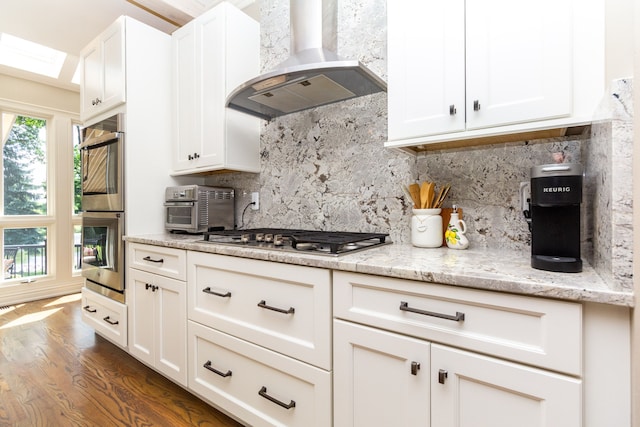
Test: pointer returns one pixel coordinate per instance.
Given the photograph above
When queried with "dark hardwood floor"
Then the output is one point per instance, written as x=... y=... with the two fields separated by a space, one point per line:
x=55 y=371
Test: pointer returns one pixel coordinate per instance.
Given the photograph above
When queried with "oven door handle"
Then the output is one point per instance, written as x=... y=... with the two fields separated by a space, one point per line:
x=100 y=139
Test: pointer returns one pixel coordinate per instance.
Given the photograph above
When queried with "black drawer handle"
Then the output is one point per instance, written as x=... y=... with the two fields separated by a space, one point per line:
x=89 y=309
x=263 y=304
x=109 y=321
x=148 y=258
x=404 y=306
x=208 y=290
x=263 y=393
x=215 y=371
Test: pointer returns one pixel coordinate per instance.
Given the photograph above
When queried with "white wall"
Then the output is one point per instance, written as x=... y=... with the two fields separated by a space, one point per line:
x=38 y=94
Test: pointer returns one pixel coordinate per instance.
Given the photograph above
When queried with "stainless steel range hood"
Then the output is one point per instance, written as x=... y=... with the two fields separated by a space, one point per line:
x=312 y=76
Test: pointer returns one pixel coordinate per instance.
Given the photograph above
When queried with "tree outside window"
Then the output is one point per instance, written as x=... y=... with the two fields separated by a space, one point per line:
x=25 y=184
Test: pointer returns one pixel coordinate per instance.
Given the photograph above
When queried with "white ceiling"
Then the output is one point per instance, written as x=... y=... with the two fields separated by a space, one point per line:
x=69 y=25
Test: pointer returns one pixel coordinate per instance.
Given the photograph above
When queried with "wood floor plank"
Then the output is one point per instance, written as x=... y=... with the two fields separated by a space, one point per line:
x=55 y=371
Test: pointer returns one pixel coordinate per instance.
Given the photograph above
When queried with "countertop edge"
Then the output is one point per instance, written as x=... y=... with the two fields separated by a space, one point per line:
x=480 y=269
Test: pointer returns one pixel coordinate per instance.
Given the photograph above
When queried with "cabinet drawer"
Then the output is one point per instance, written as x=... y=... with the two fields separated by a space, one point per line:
x=286 y=308
x=169 y=262
x=106 y=316
x=259 y=386
x=536 y=331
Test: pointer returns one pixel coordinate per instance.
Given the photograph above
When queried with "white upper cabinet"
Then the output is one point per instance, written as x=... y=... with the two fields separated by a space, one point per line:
x=466 y=70
x=103 y=72
x=518 y=61
x=212 y=55
x=425 y=68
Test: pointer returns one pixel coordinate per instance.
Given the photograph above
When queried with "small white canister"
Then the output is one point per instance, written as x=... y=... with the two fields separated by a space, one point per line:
x=426 y=228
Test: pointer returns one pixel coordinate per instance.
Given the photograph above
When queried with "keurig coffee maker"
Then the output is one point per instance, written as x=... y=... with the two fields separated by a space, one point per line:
x=556 y=194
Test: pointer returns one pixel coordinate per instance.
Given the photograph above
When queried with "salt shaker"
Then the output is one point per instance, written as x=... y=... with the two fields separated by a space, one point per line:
x=455 y=234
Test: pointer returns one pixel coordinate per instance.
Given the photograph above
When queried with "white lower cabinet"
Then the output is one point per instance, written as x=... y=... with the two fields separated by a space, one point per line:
x=260 y=339
x=157 y=327
x=473 y=390
x=158 y=316
x=413 y=354
x=106 y=316
x=380 y=378
x=256 y=385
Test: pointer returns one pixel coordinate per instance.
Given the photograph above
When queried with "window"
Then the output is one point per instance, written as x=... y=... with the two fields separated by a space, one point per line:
x=24 y=185
x=24 y=165
x=77 y=198
x=77 y=182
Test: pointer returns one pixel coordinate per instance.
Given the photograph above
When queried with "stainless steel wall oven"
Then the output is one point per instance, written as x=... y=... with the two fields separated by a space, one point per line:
x=102 y=162
x=102 y=166
x=103 y=253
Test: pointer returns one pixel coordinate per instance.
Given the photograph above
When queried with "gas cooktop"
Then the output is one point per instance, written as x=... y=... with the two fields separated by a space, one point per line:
x=317 y=242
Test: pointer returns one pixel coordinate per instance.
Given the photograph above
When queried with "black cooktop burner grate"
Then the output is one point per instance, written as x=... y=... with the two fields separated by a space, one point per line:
x=333 y=242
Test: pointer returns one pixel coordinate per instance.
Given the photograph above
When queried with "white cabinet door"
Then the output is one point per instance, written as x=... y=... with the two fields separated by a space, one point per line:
x=470 y=390
x=199 y=91
x=186 y=97
x=171 y=328
x=142 y=315
x=426 y=68
x=103 y=72
x=456 y=66
x=213 y=89
x=113 y=53
x=519 y=61
x=212 y=55
x=91 y=87
x=158 y=326
x=380 y=378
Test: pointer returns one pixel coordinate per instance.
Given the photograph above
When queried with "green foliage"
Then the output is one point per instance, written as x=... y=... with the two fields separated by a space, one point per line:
x=77 y=171
x=23 y=152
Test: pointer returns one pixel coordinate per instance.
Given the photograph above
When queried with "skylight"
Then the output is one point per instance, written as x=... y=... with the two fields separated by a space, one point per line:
x=28 y=56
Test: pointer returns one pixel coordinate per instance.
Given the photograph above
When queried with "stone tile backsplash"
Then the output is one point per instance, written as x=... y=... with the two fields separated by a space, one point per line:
x=326 y=168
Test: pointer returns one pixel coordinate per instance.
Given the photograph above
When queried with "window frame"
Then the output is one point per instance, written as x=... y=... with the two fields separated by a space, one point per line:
x=60 y=218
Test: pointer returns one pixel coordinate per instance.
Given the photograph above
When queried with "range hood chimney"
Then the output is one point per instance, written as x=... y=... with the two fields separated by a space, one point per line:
x=312 y=75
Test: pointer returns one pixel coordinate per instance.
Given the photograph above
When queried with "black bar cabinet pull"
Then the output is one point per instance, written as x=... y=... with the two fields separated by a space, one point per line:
x=148 y=258
x=89 y=309
x=263 y=393
x=263 y=304
x=208 y=290
x=215 y=371
x=404 y=306
x=109 y=321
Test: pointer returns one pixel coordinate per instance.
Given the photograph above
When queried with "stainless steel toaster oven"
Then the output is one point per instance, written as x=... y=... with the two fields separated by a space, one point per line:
x=199 y=208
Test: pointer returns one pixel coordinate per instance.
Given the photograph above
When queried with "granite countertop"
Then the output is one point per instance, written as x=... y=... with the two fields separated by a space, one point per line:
x=473 y=268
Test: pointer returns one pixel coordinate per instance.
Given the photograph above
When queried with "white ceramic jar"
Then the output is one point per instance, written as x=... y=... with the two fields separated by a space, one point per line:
x=426 y=228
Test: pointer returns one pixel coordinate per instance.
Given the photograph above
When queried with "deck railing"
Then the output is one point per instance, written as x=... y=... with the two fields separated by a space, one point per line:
x=25 y=260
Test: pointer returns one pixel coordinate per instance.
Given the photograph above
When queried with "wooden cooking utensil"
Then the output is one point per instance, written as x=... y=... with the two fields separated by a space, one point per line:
x=430 y=190
x=443 y=194
x=424 y=195
x=407 y=193
x=414 y=190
